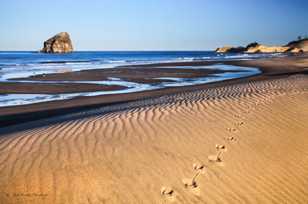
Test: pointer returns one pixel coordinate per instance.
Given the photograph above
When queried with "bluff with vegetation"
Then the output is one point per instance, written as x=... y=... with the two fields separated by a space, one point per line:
x=60 y=43
x=298 y=46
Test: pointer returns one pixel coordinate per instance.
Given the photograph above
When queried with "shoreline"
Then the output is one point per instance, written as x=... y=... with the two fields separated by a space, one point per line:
x=237 y=141
x=271 y=68
x=240 y=143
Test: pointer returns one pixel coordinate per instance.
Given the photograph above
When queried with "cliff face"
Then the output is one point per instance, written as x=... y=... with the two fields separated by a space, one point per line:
x=267 y=49
x=60 y=43
x=292 y=47
x=300 y=44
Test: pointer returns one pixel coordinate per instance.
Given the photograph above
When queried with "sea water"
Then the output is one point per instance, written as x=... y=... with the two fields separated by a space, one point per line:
x=24 y=64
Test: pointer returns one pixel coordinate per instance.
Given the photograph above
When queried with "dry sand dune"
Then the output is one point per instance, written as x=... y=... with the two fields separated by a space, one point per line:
x=244 y=143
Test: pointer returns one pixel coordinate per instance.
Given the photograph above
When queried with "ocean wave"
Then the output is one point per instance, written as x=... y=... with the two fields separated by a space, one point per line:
x=67 y=62
x=16 y=53
x=253 y=56
x=35 y=63
x=118 y=61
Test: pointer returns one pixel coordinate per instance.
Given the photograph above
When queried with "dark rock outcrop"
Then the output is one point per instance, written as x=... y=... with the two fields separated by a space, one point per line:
x=60 y=43
x=251 y=45
x=230 y=50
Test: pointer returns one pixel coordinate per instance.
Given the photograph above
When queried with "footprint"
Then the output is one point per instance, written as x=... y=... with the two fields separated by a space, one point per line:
x=191 y=184
x=168 y=193
x=231 y=138
x=240 y=123
x=220 y=147
x=215 y=158
x=198 y=166
x=231 y=129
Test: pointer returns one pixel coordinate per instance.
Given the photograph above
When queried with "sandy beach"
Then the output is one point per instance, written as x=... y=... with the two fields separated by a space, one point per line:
x=237 y=141
x=154 y=102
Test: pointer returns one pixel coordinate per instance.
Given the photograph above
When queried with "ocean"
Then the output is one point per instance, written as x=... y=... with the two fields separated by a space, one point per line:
x=21 y=64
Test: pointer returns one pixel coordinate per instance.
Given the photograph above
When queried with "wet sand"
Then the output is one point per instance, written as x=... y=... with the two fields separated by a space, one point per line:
x=54 y=88
x=271 y=68
x=139 y=74
x=238 y=141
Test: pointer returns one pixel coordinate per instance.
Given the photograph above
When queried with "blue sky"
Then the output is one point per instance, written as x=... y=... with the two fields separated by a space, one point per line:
x=151 y=24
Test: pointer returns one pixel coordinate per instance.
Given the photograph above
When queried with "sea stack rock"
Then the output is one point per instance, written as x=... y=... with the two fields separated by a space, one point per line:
x=60 y=43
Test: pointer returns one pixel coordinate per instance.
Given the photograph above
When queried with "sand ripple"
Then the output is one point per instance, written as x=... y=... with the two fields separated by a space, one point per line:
x=157 y=150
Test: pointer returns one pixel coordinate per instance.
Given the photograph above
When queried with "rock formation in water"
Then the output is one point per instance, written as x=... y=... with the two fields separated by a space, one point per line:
x=60 y=43
x=298 y=46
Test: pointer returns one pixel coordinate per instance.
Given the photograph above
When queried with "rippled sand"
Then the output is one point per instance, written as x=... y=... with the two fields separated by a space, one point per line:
x=244 y=143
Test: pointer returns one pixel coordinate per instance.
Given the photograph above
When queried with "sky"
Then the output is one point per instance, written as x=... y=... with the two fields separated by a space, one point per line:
x=151 y=24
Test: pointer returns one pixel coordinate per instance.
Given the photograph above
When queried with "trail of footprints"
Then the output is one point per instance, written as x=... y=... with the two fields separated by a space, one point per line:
x=191 y=184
